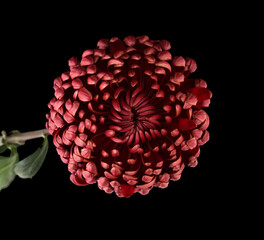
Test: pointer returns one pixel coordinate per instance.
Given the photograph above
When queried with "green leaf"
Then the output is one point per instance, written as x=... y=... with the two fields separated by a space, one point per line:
x=7 y=165
x=3 y=148
x=29 y=166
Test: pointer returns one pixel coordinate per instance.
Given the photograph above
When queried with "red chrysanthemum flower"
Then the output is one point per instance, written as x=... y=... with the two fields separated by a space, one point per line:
x=127 y=117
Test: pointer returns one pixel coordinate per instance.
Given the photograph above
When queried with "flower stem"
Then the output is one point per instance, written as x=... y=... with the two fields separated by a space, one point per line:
x=19 y=138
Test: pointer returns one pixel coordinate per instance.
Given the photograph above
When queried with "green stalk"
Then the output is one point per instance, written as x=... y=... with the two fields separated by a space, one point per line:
x=20 y=138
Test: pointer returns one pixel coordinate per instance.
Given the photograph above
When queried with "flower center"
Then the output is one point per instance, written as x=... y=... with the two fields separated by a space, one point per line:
x=134 y=116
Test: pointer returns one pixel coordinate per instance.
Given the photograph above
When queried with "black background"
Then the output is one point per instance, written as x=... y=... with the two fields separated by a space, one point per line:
x=36 y=48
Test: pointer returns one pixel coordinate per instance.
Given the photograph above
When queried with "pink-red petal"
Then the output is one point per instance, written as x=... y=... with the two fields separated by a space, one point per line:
x=185 y=124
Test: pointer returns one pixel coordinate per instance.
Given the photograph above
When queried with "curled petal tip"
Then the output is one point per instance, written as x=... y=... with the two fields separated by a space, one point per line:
x=127 y=190
x=84 y=95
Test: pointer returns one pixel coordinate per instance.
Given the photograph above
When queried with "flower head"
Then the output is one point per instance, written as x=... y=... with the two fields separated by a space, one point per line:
x=127 y=117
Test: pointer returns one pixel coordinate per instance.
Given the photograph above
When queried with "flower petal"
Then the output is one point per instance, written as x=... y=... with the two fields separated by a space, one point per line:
x=127 y=190
x=201 y=93
x=185 y=124
x=84 y=95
